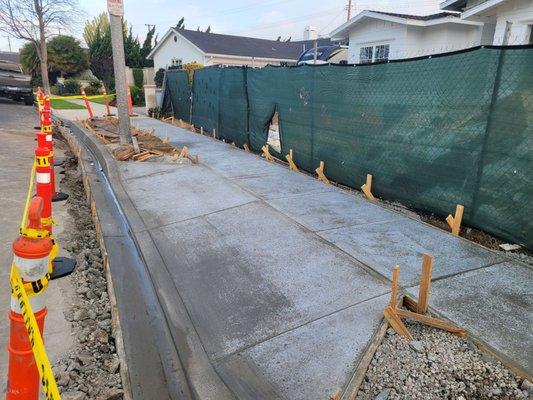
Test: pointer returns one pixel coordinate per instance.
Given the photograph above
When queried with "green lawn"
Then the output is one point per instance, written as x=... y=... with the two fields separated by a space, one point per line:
x=101 y=100
x=60 y=104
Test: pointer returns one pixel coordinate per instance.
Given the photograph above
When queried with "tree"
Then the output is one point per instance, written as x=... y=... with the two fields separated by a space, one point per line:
x=132 y=50
x=30 y=59
x=66 y=55
x=180 y=24
x=31 y=20
x=208 y=30
x=97 y=35
x=147 y=48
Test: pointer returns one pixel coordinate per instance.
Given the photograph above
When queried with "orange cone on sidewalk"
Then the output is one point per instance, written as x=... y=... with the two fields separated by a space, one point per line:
x=32 y=259
x=130 y=104
x=44 y=139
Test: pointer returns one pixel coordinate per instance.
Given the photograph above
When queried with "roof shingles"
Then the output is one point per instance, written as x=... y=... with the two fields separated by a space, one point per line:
x=214 y=43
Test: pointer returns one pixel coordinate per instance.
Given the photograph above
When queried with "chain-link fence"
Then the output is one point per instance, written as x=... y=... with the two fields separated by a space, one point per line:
x=434 y=132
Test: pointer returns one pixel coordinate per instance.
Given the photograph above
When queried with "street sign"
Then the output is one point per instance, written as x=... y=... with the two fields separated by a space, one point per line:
x=115 y=7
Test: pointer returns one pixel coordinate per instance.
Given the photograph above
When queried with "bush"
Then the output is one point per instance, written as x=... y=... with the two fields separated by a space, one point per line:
x=137 y=96
x=92 y=89
x=55 y=90
x=155 y=112
x=70 y=86
x=138 y=77
x=36 y=80
x=159 y=76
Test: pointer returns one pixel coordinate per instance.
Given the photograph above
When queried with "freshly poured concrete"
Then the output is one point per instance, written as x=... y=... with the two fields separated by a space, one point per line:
x=283 y=278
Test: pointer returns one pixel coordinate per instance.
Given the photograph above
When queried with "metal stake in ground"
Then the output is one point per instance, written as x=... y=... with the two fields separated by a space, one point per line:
x=116 y=11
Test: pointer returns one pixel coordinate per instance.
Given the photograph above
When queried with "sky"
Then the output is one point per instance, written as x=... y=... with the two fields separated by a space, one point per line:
x=258 y=18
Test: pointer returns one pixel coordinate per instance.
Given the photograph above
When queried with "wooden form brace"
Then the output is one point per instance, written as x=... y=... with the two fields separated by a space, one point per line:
x=246 y=148
x=367 y=189
x=394 y=314
x=290 y=160
x=266 y=153
x=214 y=133
x=320 y=172
x=455 y=222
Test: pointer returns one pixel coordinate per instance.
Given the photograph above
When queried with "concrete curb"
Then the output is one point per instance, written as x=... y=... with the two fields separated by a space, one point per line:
x=137 y=373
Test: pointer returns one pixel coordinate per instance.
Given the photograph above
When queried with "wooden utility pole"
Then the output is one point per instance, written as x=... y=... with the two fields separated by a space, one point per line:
x=116 y=11
x=349 y=15
x=315 y=52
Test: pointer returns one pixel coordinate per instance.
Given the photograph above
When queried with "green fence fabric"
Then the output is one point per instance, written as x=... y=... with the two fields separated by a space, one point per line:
x=434 y=132
x=177 y=94
x=220 y=102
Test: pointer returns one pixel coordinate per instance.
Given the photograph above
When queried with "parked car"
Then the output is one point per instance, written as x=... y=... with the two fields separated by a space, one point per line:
x=333 y=54
x=14 y=84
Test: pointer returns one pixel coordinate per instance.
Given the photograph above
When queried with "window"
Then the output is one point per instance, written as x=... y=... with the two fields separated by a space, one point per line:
x=175 y=38
x=382 y=53
x=365 y=55
x=371 y=54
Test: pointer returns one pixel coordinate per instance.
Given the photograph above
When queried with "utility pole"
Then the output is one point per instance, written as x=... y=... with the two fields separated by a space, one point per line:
x=349 y=8
x=8 y=42
x=116 y=12
x=315 y=52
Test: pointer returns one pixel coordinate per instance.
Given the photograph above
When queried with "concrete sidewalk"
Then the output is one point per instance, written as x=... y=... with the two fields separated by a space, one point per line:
x=476 y=288
x=273 y=282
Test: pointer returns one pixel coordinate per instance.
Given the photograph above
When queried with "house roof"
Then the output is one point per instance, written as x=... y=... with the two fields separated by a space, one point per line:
x=419 y=17
x=10 y=56
x=215 y=43
x=406 y=19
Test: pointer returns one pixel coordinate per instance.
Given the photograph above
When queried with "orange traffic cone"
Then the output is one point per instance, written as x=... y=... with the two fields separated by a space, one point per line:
x=32 y=258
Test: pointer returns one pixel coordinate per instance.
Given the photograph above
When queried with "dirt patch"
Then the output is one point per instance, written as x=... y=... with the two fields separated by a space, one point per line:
x=91 y=369
x=437 y=365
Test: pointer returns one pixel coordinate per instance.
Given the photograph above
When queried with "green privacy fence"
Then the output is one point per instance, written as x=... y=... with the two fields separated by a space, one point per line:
x=434 y=132
x=177 y=94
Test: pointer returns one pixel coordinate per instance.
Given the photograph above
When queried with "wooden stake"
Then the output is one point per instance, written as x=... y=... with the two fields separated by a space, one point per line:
x=201 y=130
x=266 y=153
x=394 y=289
x=336 y=395
x=396 y=323
x=246 y=148
x=214 y=133
x=425 y=283
x=290 y=160
x=434 y=322
x=367 y=189
x=320 y=173
x=455 y=222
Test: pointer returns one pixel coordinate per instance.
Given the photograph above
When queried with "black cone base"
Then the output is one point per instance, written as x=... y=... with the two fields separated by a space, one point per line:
x=59 y=196
x=63 y=266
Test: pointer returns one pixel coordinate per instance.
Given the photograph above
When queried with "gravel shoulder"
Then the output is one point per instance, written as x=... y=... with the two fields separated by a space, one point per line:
x=91 y=369
x=437 y=365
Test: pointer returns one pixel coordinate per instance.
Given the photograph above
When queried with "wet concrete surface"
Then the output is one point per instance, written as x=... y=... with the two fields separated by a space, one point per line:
x=374 y=236
x=281 y=277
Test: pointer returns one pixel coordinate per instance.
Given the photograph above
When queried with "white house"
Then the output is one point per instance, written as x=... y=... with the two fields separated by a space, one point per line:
x=507 y=22
x=377 y=36
x=181 y=46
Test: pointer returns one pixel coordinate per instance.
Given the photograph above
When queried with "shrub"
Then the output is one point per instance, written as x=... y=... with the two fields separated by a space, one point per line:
x=92 y=90
x=70 y=86
x=55 y=90
x=137 y=96
x=159 y=76
x=155 y=112
x=138 y=76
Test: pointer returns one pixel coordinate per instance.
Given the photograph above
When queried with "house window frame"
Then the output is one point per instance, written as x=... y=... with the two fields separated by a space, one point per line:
x=372 y=55
x=364 y=56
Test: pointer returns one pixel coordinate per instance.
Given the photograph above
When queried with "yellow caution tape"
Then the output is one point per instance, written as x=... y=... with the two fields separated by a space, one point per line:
x=28 y=198
x=81 y=97
x=46 y=374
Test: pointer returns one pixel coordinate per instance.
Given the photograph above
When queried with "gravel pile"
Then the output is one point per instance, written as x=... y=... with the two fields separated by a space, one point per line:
x=91 y=369
x=437 y=365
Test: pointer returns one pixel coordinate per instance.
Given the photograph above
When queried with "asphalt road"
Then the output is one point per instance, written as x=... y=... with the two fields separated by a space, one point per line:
x=17 y=147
